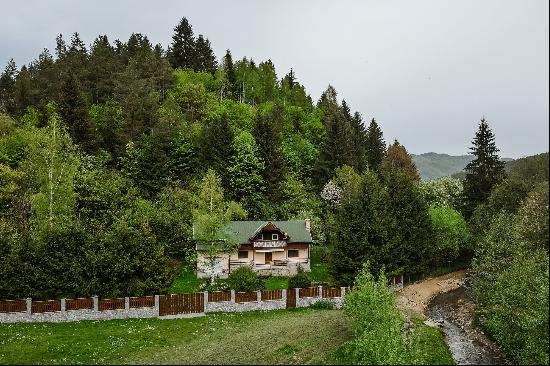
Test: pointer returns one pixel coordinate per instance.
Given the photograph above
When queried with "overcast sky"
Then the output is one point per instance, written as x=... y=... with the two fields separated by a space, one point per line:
x=426 y=70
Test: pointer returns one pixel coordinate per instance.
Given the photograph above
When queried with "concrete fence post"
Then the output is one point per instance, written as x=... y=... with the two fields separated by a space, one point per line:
x=157 y=304
x=126 y=304
x=205 y=294
x=342 y=291
x=29 y=306
x=320 y=292
x=96 y=303
x=63 y=305
x=258 y=296
x=233 y=296
x=284 y=295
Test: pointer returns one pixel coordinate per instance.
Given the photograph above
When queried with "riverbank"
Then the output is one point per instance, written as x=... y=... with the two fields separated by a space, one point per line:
x=417 y=296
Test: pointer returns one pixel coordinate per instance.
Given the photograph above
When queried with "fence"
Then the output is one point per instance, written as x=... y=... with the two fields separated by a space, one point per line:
x=246 y=296
x=171 y=305
x=219 y=296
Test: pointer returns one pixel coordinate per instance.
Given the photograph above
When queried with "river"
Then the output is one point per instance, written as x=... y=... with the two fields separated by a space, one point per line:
x=453 y=311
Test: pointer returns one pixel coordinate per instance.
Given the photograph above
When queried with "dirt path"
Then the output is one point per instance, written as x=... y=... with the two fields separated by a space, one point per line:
x=417 y=296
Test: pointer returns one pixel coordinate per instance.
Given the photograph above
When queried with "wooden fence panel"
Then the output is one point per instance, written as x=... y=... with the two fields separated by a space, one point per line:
x=142 y=302
x=46 y=306
x=246 y=296
x=111 y=304
x=332 y=292
x=13 y=306
x=181 y=304
x=81 y=303
x=272 y=295
x=309 y=292
x=219 y=296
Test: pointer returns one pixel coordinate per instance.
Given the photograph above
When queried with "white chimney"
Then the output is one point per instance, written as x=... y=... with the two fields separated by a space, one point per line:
x=308 y=224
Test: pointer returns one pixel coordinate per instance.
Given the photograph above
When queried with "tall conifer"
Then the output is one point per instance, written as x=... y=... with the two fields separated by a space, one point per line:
x=181 y=52
x=375 y=145
x=484 y=171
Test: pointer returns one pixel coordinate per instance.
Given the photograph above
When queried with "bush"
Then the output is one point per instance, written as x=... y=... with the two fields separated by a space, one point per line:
x=322 y=304
x=451 y=234
x=243 y=279
x=299 y=280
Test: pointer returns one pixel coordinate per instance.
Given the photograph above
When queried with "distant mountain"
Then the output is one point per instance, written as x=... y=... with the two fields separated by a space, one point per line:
x=433 y=165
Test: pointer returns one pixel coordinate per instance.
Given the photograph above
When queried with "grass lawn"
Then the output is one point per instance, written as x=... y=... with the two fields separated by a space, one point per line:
x=186 y=282
x=278 y=337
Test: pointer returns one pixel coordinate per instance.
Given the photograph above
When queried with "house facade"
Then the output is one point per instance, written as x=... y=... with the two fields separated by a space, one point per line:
x=268 y=247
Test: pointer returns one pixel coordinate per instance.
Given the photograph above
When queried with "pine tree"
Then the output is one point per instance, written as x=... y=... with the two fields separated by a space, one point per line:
x=73 y=110
x=181 y=52
x=375 y=146
x=205 y=59
x=268 y=134
x=231 y=76
x=7 y=88
x=484 y=171
x=358 y=136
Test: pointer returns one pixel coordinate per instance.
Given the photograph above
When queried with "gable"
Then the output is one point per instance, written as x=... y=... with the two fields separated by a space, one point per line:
x=243 y=231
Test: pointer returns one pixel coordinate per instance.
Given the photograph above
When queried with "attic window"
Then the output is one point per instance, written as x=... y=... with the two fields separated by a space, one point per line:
x=274 y=236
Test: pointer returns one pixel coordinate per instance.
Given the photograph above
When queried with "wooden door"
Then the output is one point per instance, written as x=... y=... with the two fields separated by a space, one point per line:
x=268 y=258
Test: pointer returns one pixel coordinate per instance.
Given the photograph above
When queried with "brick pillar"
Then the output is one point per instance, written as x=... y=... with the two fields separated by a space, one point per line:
x=258 y=296
x=321 y=292
x=29 y=306
x=63 y=305
x=233 y=296
x=96 y=303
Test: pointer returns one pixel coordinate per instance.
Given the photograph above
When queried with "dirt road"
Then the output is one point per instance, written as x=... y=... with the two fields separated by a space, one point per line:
x=417 y=296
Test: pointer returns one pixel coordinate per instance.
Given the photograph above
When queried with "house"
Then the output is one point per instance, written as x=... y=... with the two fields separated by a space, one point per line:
x=268 y=247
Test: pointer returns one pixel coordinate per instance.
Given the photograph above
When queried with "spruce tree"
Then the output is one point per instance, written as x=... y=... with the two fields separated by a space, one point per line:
x=268 y=134
x=375 y=146
x=338 y=148
x=484 y=171
x=7 y=88
x=205 y=59
x=215 y=146
x=73 y=110
x=231 y=76
x=181 y=52
x=397 y=159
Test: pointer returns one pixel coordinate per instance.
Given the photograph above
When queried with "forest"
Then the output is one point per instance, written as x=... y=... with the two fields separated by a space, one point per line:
x=108 y=152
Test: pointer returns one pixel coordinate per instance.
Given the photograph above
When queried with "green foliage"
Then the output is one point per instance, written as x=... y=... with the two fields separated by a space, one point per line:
x=397 y=159
x=380 y=331
x=300 y=280
x=451 y=234
x=322 y=304
x=511 y=279
x=444 y=191
x=243 y=279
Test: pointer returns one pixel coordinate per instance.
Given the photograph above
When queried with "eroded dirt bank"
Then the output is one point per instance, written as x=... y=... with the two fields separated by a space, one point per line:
x=417 y=296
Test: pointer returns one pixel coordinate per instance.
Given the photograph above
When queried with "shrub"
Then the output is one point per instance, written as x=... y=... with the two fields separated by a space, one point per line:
x=322 y=304
x=300 y=280
x=243 y=279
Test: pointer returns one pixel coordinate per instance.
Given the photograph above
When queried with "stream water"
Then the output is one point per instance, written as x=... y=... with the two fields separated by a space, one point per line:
x=454 y=313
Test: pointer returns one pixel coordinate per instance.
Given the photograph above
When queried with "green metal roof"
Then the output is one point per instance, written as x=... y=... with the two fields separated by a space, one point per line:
x=241 y=231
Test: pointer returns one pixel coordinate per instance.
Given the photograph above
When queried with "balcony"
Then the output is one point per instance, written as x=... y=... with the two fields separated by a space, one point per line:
x=269 y=244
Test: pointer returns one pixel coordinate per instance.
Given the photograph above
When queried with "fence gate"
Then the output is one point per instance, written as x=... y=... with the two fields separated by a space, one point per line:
x=290 y=298
x=181 y=304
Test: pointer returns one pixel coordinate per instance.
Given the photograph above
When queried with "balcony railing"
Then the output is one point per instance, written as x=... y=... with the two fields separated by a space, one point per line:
x=269 y=244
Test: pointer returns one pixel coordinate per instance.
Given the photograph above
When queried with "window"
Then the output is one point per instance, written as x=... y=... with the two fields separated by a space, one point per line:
x=274 y=236
x=243 y=254
x=261 y=236
x=292 y=253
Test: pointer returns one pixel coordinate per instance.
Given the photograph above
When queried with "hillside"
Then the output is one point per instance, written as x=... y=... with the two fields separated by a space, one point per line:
x=432 y=165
